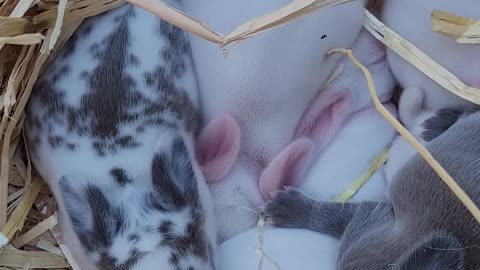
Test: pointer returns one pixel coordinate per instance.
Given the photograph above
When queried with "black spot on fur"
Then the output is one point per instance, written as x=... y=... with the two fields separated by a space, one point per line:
x=71 y=146
x=134 y=238
x=191 y=242
x=323 y=36
x=64 y=71
x=165 y=227
x=56 y=141
x=69 y=47
x=110 y=263
x=120 y=176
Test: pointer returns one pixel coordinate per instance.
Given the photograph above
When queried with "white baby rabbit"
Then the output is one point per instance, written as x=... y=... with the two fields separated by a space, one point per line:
x=266 y=82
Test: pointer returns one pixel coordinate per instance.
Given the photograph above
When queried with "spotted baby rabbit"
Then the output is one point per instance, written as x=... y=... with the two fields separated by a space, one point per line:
x=424 y=227
x=110 y=127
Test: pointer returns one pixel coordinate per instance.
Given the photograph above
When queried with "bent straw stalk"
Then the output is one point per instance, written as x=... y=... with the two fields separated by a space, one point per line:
x=464 y=30
x=420 y=60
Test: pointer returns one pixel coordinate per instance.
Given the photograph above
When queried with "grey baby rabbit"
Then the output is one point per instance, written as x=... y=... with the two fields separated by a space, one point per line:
x=111 y=127
x=424 y=226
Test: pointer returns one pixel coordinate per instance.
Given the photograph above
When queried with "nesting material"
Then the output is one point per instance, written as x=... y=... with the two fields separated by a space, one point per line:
x=32 y=31
x=464 y=30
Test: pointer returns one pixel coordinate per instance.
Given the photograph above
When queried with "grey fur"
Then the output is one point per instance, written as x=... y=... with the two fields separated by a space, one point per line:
x=424 y=213
x=443 y=120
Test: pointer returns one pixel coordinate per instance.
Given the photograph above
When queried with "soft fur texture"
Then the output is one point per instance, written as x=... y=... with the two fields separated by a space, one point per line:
x=349 y=154
x=411 y=19
x=360 y=137
x=424 y=227
x=110 y=127
x=266 y=82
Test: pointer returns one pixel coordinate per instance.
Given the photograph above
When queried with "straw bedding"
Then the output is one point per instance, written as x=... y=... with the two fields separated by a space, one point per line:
x=31 y=31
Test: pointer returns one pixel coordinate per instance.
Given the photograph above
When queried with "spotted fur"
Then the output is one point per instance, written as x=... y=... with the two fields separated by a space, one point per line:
x=110 y=127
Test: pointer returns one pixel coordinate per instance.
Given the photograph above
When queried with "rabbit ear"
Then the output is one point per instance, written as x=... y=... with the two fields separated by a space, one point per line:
x=218 y=146
x=173 y=177
x=93 y=218
x=284 y=168
x=436 y=251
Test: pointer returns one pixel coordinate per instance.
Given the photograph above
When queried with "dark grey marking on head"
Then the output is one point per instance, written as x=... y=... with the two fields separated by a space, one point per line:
x=56 y=141
x=134 y=238
x=165 y=227
x=69 y=47
x=323 y=36
x=140 y=129
x=120 y=176
x=173 y=179
x=191 y=242
x=87 y=30
x=107 y=221
x=62 y=72
x=83 y=31
x=133 y=60
x=163 y=78
x=108 y=262
x=109 y=83
x=83 y=75
x=71 y=146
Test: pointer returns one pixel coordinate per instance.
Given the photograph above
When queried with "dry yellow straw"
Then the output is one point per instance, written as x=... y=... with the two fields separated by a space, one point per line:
x=420 y=60
x=17 y=218
x=277 y=18
x=363 y=179
x=456 y=189
x=464 y=30
x=260 y=252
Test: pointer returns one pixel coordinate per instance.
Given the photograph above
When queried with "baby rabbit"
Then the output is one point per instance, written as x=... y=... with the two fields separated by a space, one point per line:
x=424 y=226
x=110 y=127
x=345 y=100
x=266 y=82
x=412 y=20
x=425 y=125
x=350 y=153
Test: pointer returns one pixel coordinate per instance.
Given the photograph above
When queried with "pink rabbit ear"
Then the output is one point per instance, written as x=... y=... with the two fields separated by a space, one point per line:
x=325 y=116
x=281 y=170
x=217 y=147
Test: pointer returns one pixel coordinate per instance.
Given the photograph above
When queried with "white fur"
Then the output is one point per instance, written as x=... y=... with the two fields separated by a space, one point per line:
x=412 y=114
x=84 y=166
x=265 y=82
x=352 y=152
x=411 y=19
x=290 y=248
x=355 y=145
x=358 y=143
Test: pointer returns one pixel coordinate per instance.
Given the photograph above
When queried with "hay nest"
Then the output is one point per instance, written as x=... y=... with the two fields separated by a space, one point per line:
x=31 y=31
